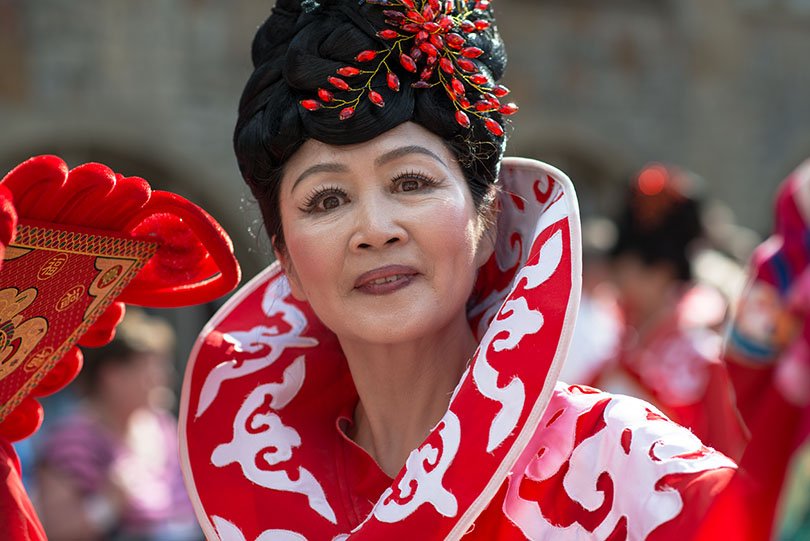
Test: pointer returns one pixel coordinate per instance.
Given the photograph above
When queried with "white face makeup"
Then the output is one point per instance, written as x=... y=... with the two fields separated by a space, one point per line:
x=382 y=238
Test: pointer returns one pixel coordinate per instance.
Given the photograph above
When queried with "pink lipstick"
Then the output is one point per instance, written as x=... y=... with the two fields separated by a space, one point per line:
x=385 y=280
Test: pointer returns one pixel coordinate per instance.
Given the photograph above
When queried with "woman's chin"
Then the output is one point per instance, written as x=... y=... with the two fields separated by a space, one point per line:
x=387 y=330
x=388 y=324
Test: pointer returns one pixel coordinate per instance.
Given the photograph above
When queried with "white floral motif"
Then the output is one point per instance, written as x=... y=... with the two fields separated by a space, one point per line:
x=228 y=531
x=257 y=339
x=647 y=447
x=517 y=320
x=424 y=474
x=260 y=434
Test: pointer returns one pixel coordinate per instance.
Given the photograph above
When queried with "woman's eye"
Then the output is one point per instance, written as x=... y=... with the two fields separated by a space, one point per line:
x=324 y=200
x=409 y=185
x=411 y=182
x=330 y=202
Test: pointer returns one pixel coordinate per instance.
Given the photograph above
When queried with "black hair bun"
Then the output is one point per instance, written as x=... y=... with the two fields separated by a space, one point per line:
x=300 y=46
x=661 y=221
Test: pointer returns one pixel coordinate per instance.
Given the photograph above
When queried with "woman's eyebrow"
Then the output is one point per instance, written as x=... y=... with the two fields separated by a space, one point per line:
x=389 y=156
x=404 y=151
x=320 y=168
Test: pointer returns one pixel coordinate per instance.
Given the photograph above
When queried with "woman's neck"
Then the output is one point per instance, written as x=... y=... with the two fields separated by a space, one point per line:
x=404 y=390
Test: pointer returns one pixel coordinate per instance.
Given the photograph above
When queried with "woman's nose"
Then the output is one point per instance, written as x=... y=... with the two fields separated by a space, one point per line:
x=379 y=224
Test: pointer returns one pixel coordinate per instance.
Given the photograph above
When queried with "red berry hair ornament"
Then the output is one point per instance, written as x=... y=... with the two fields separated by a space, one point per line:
x=427 y=38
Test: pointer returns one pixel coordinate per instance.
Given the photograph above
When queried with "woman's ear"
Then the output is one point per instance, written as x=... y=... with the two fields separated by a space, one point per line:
x=489 y=233
x=289 y=270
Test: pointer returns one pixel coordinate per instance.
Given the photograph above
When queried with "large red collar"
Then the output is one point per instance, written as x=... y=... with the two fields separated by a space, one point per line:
x=266 y=380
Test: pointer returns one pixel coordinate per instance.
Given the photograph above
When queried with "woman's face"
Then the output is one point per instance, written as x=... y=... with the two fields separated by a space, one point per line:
x=134 y=383
x=381 y=238
x=643 y=288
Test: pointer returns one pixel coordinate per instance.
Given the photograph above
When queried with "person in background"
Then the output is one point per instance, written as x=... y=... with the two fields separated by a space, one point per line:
x=768 y=358
x=109 y=470
x=670 y=353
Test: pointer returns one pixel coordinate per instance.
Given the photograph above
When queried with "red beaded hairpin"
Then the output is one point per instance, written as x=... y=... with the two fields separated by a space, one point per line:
x=429 y=39
x=656 y=191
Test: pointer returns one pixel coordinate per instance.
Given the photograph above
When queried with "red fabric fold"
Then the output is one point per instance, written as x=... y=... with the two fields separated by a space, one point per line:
x=19 y=519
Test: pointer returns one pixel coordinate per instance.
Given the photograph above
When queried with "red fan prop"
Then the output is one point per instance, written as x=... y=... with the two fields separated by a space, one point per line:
x=78 y=245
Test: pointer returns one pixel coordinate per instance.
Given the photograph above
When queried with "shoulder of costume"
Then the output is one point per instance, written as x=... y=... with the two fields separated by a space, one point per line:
x=628 y=421
x=601 y=463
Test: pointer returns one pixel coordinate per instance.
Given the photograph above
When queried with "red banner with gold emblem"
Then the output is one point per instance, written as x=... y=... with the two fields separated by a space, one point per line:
x=56 y=282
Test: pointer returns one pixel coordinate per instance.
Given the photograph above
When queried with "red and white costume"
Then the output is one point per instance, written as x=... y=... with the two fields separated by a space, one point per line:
x=677 y=365
x=267 y=396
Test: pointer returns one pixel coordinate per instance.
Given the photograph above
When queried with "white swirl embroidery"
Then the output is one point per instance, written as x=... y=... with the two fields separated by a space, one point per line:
x=257 y=339
x=260 y=437
x=228 y=531
x=646 y=448
x=516 y=320
x=423 y=477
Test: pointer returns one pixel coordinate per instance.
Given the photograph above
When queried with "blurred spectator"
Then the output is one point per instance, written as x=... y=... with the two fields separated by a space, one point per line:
x=768 y=359
x=109 y=470
x=669 y=353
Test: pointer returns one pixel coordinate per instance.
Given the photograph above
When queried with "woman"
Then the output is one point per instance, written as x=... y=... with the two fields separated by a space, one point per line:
x=393 y=376
x=671 y=352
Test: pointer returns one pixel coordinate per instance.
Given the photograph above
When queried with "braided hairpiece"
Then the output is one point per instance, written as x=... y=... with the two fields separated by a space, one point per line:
x=431 y=39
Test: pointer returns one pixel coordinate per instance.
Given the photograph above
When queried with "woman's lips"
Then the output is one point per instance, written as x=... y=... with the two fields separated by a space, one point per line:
x=385 y=279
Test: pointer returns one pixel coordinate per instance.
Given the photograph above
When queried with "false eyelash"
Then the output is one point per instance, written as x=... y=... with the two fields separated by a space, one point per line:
x=315 y=197
x=415 y=175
